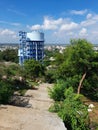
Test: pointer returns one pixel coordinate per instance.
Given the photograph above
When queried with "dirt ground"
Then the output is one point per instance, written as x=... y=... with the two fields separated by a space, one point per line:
x=36 y=117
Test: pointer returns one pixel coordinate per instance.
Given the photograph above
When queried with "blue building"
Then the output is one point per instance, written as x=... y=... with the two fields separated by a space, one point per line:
x=31 y=46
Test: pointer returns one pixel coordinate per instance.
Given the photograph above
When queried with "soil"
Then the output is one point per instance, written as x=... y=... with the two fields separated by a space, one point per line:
x=37 y=117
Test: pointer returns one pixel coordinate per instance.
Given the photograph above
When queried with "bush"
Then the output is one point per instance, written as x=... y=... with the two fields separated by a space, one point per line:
x=57 y=92
x=33 y=69
x=9 y=55
x=6 y=91
x=72 y=111
x=49 y=76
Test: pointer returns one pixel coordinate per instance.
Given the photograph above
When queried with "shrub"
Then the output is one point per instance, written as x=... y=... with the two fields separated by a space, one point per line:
x=6 y=91
x=57 y=92
x=72 y=111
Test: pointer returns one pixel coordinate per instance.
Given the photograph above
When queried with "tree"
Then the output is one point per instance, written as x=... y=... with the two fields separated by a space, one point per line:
x=33 y=69
x=79 y=72
x=81 y=66
x=9 y=55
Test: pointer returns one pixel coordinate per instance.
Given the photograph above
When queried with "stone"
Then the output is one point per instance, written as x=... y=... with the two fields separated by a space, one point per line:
x=19 y=101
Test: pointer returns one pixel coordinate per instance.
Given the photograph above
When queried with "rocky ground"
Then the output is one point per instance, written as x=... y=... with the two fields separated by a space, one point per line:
x=34 y=117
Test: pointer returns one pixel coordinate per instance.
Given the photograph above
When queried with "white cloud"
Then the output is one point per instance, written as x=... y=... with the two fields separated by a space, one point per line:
x=7 y=35
x=68 y=26
x=95 y=17
x=36 y=27
x=91 y=20
x=48 y=24
x=83 y=32
x=61 y=24
x=10 y=23
x=78 y=12
x=61 y=30
x=89 y=16
x=15 y=24
x=51 y=24
x=6 y=32
x=95 y=33
x=70 y=33
x=88 y=22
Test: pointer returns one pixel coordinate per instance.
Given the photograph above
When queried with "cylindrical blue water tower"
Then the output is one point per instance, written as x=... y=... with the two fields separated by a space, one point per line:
x=31 y=46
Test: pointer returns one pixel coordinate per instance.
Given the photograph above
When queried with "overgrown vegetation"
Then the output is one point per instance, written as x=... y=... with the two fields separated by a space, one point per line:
x=76 y=74
x=79 y=59
x=9 y=55
x=72 y=111
x=33 y=69
x=14 y=77
x=6 y=91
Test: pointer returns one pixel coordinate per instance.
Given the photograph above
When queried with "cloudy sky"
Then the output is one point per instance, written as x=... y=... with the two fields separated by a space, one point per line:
x=60 y=20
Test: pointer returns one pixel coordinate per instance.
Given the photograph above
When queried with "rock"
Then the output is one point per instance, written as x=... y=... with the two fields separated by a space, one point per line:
x=91 y=106
x=29 y=106
x=16 y=93
x=3 y=106
x=4 y=77
x=89 y=110
x=19 y=101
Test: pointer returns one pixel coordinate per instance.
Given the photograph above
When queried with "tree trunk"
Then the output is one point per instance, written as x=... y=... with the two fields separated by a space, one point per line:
x=80 y=84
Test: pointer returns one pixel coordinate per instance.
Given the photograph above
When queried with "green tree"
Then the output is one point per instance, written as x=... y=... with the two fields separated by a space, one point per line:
x=33 y=69
x=14 y=70
x=52 y=65
x=9 y=55
x=81 y=65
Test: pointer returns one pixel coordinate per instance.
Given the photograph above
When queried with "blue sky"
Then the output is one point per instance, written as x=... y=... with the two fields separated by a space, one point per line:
x=60 y=20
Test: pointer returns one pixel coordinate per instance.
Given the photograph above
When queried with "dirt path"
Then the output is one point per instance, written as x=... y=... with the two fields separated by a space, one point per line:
x=35 y=118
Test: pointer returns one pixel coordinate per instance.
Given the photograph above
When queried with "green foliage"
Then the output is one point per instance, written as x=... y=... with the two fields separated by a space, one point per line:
x=49 y=75
x=13 y=70
x=22 y=92
x=6 y=91
x=57 y=92
x=72 y=111
x=80 y=58
x=10 y=70
x=21 y=86
x=55 y=107
x=9 y=55
x=10 y=81
x=33 y=69
x=58 y=58
x=50 y=53
x=9 y=86
x=2 y=70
